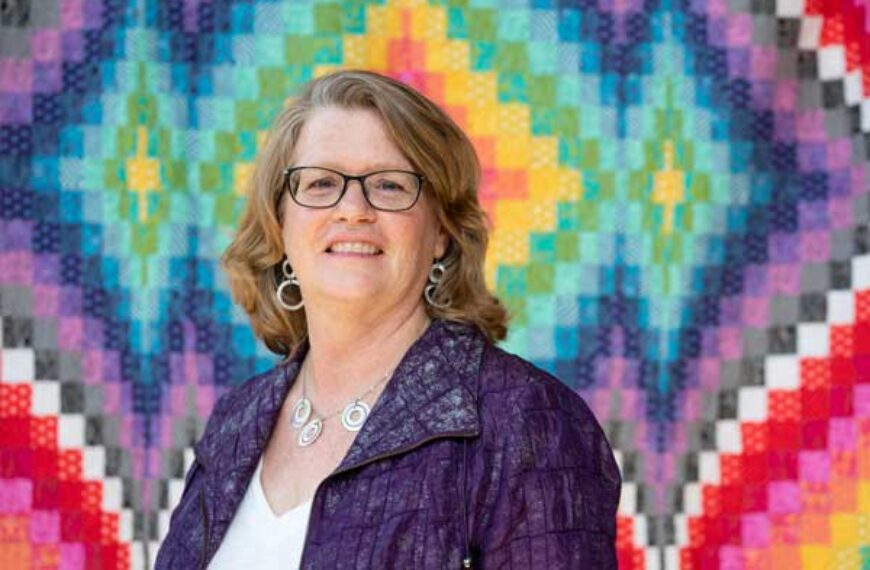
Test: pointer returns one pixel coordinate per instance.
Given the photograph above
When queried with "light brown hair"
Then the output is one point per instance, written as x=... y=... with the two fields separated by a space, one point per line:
x=434 y=145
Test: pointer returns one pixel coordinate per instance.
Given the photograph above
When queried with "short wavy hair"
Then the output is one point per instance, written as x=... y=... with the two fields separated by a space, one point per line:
x=433 y=144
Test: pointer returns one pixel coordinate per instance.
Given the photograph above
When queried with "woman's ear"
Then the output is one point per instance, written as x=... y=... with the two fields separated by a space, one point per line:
x=442 y=240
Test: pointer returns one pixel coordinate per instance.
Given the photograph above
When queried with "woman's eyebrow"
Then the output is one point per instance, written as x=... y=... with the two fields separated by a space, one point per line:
x=373 y=167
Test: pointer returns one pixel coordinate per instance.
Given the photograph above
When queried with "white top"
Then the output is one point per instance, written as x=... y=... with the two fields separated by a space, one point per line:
x=258 y=538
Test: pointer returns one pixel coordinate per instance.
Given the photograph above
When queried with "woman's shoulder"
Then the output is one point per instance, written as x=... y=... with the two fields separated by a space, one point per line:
x=526 y=409
x=542 y=444
x=525 y=387
x=241 y=395
x=243 y=405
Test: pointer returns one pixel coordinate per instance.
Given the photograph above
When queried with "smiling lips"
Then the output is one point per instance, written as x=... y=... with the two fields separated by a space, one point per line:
x=358 y=248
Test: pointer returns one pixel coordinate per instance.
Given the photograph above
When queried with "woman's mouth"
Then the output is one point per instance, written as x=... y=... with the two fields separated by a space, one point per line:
x=356 y=248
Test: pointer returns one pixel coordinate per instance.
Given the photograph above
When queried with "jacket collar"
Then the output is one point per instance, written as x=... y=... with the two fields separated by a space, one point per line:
x=432 y=394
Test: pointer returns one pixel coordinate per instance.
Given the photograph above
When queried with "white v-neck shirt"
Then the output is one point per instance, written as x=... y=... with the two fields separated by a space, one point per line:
x=258 y=538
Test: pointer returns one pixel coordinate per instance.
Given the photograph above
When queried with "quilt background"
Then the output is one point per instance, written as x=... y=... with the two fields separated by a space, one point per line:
x=679 y=195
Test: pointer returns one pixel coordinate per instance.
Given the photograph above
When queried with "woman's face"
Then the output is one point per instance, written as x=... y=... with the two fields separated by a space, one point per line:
x=356 y=142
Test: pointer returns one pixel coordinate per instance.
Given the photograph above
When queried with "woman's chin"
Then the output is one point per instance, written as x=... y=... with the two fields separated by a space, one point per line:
x=365 y=299
x=352 y=293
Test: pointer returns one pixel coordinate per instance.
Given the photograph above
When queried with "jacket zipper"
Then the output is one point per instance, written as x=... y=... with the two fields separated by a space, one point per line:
x=399 y=451
x=466 y=559
x=202 y=562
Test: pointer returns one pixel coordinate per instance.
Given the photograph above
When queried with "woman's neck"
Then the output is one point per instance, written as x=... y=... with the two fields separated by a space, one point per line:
x=347 y=355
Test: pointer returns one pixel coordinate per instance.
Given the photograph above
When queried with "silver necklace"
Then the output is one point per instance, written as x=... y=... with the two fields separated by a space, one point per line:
x=353 y=416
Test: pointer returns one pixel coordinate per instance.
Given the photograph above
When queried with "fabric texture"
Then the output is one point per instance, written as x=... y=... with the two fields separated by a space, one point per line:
x=465 y=438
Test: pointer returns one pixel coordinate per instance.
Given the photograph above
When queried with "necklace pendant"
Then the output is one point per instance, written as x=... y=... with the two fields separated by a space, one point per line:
x=310 y=432
x=355 y=415
x=301 y=412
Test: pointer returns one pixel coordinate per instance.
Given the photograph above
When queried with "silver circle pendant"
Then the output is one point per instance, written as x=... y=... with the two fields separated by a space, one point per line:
x=301 y=412
x=310 y=432
x=355 y=415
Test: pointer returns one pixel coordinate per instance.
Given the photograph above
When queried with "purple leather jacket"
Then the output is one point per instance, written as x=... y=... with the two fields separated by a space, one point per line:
x=468 y=452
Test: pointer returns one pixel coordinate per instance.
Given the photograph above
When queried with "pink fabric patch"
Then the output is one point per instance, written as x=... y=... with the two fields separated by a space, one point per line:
x=783 y=497
x=16 y=267
x=16 y=75
x=842 y=435
x=46 y=301
x=739 y=30
x=815 y=246
x=755 y=312
x=72 y=14
x=730 y=342
x=785 y=99
x=72 y=556
x=92 y=366
x=16 y=496
x=862 y=401
x=814 y=466
x=45 y=45
x=763 y=62
x=45 y=527
x=70 y=333
x=755 y=530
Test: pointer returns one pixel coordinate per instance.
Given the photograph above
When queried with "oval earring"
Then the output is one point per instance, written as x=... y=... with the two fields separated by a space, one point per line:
x=289 y=281
x=436 y=275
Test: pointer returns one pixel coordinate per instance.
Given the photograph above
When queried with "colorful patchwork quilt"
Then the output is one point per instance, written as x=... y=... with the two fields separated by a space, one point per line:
x=679 y=196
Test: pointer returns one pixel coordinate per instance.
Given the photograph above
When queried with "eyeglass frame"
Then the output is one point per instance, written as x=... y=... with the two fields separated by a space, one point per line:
x=359 y=178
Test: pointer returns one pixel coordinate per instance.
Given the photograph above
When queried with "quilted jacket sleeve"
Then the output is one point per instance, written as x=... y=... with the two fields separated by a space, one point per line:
x=183 y=545
x=558 y=489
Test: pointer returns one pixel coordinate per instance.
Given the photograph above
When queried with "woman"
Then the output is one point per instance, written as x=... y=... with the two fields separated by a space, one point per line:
x=395 y=434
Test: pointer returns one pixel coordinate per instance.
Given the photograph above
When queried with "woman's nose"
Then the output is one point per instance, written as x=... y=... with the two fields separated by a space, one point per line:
x=354 y=204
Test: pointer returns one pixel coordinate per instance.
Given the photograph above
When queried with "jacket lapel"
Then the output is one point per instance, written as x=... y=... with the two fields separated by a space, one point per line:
x=230 y=450
x=431 y=394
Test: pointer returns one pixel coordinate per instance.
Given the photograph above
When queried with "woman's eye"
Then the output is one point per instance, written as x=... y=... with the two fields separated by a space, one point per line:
x=322 y=184
x=389 y=186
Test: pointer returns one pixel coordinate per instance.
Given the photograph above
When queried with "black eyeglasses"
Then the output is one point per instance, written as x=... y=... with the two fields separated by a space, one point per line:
x=387 y=190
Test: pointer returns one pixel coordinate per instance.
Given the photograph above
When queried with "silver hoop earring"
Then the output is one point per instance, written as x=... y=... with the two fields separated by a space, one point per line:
x=436 y=275
x=289 y=281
